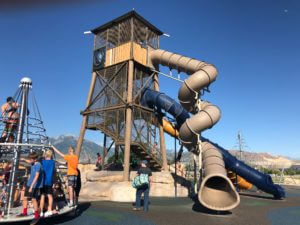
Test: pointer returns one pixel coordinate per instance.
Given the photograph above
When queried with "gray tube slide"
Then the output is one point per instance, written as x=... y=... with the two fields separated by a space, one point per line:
x=216 y=191
x=201 y=75
x=262 y=181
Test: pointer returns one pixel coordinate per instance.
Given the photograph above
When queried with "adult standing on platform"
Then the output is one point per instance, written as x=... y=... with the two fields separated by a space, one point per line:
x=72 y=173
x=145 y=188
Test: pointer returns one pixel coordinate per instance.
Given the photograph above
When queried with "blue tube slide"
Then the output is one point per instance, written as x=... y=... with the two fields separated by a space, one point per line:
x=154 y=99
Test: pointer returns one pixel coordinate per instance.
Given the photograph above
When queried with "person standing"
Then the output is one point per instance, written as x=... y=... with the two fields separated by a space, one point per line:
x=145 y=188
x=72 y=161
x=10 y=117
x=154 y=149
x=48 y=165
x=99 y=162
x=33 y=186
x=78 y=184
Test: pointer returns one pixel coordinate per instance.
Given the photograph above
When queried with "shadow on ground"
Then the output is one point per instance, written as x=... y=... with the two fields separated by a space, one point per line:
x=256 y=196
x=61 y=218
x=184 y=182
x=65 y=218
x=198 y=207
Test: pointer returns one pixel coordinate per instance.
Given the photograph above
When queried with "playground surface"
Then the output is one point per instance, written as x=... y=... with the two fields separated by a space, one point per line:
x=255 y=209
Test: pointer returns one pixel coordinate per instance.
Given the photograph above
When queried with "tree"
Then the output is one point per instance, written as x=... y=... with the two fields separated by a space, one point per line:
x=134 y=160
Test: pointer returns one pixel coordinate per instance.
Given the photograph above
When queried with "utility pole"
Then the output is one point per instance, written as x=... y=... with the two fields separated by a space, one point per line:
x=240 y=143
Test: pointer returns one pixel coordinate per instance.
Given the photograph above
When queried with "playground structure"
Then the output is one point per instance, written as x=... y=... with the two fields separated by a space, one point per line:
x=120 y=73
x=29 y=135
x=125 y=104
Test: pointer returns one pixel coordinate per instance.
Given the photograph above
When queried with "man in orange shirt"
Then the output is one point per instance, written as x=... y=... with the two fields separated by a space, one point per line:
x=72 y=173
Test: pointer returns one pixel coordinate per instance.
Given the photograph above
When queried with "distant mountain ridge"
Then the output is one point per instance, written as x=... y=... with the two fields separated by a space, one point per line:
x=263 y=159
x=255 y=159
x=90 y=149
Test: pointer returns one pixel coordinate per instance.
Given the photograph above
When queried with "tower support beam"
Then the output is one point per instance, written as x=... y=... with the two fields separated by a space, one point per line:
x=128 y=123
x=104 y=153
x=161 y=131
x=85 y=117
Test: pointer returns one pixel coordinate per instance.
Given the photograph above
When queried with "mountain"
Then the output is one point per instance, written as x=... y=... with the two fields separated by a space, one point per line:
x=89 y=149
x=264 y=159
x=185 y=158
x=254 y=159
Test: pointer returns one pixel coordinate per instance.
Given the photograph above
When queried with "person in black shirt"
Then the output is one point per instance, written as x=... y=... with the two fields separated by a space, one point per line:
x=143 y=189
x=78 y=184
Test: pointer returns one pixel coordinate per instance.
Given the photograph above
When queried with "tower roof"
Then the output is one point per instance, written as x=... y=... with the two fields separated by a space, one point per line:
x=124 y=17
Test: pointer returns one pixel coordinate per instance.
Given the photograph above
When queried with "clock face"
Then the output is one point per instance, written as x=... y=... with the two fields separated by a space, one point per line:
x=99 y=58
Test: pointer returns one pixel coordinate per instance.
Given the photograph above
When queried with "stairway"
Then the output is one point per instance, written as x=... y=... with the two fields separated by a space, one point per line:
x=143 y=153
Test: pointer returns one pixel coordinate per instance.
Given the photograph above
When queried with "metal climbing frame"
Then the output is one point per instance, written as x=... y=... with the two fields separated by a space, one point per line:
x=28 y=135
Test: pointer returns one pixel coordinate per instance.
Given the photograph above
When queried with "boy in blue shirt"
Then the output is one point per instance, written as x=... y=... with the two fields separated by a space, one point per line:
x=33 y=186
x=48 y=165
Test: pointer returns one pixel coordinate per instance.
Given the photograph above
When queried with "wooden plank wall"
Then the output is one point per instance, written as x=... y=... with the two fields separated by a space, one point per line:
x=140 y=54
x=122 y=53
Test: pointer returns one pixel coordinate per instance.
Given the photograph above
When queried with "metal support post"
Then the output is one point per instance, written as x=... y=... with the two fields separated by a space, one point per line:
x=161 y=131
x=200 y=164
x=104 y=151
x=25 y=85
x=195 y=174
x=199 y=149
x=116 y=158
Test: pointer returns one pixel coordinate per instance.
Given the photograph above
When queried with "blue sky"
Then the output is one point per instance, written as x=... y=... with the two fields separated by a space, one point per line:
x=254 y=44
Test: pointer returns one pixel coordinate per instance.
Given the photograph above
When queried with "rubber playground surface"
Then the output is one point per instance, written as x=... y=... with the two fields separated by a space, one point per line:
x=255 y=209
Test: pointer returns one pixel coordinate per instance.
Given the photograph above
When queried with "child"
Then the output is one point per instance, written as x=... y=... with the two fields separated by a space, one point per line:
x=59 y=197
x=48 y=165
x=78 y=184
x=99 y=162
x=34 y=185
x=72 y=173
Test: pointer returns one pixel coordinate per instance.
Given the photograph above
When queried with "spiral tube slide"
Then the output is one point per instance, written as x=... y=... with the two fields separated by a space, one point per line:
x=241 y=182
x=262 y=181
x=201 y=75
x=216 y=192
x=215 y=183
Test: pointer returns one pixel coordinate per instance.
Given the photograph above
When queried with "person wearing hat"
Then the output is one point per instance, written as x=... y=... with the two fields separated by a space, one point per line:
x=143 y=170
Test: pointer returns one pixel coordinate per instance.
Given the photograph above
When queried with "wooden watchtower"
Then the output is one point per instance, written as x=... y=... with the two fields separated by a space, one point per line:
x=120 y=73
